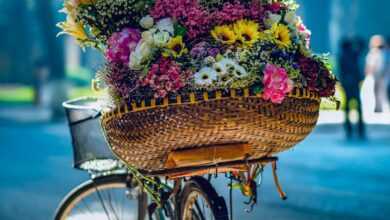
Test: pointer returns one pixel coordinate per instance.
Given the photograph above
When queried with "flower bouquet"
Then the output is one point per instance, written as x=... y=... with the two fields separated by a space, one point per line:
x=193 y=73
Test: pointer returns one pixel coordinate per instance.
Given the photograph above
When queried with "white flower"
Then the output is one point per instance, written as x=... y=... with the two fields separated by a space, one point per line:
x=205 y=76
x=228 y=67
x=165 y=24
x=291 y=18
x=240 y=72
x=140 y=55
x=221 y=66
x=272 y=19
x=146 y=22
x=161 y=38
x=147 y=36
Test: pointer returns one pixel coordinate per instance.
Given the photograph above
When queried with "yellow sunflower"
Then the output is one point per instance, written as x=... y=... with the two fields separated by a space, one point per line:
x=175 y=47
x=281 y=35
x=224 y=34
x=247 y=32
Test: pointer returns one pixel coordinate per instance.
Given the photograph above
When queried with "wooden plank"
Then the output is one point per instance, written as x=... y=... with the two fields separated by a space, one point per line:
x=215 y=170
x=207 y=155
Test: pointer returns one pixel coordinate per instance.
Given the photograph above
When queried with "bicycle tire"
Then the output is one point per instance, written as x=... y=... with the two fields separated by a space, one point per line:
x=200 y=187
x=87 y=188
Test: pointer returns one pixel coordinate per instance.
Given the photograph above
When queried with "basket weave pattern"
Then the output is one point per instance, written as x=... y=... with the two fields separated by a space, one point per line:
x=143 y=136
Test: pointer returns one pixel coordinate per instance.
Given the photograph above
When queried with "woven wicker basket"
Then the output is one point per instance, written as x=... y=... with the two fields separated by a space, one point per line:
x=143 y=134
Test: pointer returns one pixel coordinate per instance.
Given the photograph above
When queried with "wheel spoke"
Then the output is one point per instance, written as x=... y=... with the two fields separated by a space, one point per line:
x=87 y=206
x=104 y=198
x=199 y=210
x=100 y=197
x=111 y=205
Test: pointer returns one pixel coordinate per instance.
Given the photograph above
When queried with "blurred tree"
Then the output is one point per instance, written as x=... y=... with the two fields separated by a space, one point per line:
x=15 y=42
x=54 y=47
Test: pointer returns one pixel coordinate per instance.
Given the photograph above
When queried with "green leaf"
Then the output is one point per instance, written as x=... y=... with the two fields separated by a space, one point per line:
x=257 y=90
x=180 y=30
x=219 y=57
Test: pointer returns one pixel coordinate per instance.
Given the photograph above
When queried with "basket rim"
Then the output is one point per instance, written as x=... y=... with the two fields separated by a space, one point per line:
x=148 y=104
x=75 y=104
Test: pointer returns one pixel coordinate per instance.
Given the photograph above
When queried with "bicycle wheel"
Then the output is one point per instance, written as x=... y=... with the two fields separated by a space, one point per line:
x=104 y=198
x=200 y=201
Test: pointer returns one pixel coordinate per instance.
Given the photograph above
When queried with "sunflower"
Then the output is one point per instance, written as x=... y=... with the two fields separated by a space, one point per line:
x=247 y=32
x=175 y=47
x=281 y=35
x=224 y=34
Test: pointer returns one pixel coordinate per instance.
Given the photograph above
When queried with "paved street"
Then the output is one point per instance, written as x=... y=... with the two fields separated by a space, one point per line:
x=325 y=177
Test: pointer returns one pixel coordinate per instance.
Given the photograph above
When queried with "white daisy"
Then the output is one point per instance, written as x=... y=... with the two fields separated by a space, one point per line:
x=205 y=76
x=229 y=67
x=240 y=72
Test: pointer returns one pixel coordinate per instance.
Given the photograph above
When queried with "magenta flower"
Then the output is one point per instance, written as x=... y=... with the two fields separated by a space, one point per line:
x=310 y=70
x=275 y=7
x=121 y=44
x=276 y=84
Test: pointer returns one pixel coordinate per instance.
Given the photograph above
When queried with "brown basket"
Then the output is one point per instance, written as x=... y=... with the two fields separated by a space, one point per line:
x=144 y=134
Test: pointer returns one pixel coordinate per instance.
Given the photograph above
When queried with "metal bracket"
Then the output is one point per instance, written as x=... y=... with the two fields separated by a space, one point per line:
x=282 y=195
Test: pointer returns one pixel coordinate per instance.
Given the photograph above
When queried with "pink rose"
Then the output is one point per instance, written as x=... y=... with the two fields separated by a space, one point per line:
x=276 y=84
x=302 y=29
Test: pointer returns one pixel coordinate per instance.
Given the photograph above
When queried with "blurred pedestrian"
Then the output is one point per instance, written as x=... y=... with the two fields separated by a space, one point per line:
x=388 y=68
x=351 y=75
x=377 y=65
x=41 y=75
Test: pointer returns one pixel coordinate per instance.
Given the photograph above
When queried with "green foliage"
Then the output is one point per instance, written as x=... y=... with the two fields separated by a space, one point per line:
x=108 y=16
x=16 y=94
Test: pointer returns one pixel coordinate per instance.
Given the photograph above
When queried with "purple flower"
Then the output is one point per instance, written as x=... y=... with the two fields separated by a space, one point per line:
x=198 y=51
x=213 y=51
x=121 y=44
x=121 y=79
x=202 y=50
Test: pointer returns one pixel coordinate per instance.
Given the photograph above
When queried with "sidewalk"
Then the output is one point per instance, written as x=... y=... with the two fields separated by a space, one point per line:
x=325 y=176
x=24 y=114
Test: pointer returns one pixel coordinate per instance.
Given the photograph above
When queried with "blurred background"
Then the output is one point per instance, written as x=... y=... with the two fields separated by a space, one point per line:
x=339 y=172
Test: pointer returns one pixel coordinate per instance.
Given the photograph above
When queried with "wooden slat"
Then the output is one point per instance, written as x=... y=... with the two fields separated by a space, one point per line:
x=207 y=155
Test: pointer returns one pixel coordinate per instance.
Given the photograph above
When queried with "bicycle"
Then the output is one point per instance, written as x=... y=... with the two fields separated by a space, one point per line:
x=116 y=192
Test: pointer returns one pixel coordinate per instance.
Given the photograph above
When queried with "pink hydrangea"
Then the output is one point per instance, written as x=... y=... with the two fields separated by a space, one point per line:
x=187 y=12
x=121 y=44
x=256 y=11
x=230 y=12
x=276 y=84
x=164 y=77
